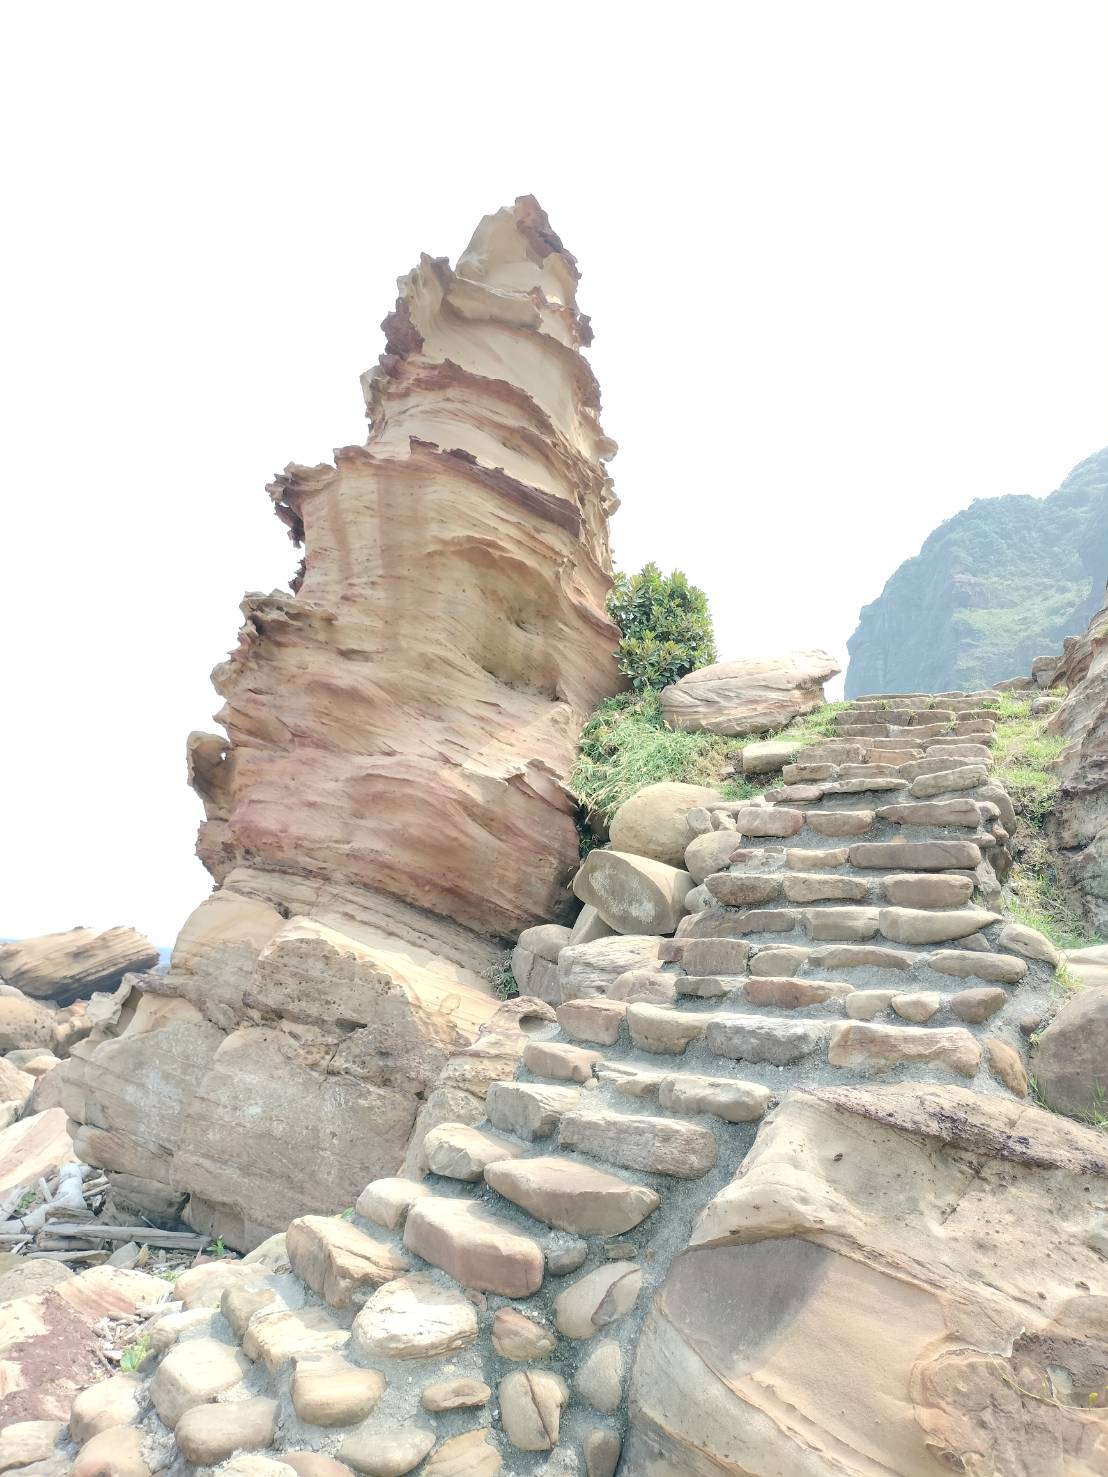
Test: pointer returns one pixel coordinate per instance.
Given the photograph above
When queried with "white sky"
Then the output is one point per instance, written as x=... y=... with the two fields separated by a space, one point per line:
x=845 y=263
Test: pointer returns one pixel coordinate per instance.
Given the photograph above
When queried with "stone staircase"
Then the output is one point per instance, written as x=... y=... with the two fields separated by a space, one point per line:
x=480 y=1314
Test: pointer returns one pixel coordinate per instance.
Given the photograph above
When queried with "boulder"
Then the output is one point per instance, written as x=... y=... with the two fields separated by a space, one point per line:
x=179 y=1105
x=928 y=1330
x=1088 y=966
x=654 y=821
x=64 y=966
x=750 y=696
x=24 y=1023
x=633 y=894
x=766 y=756
x=1070 y=1060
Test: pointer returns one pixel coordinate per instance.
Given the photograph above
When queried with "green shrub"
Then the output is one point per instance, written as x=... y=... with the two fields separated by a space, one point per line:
x=667 y=630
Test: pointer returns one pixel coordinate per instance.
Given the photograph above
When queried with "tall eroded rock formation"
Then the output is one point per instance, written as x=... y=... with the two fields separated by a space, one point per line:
x=389 y=803
x=404 y=722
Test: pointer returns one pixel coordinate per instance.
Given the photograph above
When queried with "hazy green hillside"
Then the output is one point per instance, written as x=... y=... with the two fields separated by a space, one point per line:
x=992 y=587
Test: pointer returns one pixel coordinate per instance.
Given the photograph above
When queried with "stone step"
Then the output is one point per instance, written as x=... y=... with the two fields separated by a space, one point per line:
x=530 y=1110
x=633 y=1141
x=560 y=1062
x=570 y=1196
x=476 y=1248
x=458 y=1152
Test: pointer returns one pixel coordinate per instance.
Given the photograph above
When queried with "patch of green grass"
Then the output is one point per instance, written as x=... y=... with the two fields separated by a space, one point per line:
x=1025 y=762
x=626 y=745
x=135 y=1353
x=820 y=724
x=217 y=1248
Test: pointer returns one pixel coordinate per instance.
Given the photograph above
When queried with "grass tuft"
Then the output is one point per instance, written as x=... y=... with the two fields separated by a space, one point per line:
x=626 y=745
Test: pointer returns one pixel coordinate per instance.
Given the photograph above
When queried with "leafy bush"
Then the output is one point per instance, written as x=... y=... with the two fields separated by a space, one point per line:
x=667 y=630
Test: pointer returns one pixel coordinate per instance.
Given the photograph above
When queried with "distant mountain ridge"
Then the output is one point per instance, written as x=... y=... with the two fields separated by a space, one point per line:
x=1001 y=582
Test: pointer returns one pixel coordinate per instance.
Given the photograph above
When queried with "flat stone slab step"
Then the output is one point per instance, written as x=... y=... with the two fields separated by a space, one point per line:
x=858 y=1045
x=477 y=1249
x=459 y=1152
x=571 y=1196
x=562 y=1063
x=776 y=1041
x=530 y=1110
x=657 y=1145
x=336 y=1260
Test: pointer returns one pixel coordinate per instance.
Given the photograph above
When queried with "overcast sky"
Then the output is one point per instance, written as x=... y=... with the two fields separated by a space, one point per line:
x=845 y=263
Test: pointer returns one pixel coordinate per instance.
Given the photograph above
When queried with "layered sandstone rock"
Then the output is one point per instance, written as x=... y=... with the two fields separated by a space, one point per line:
x=749 y=696
x=1078 y=821
x=404 y=722
x=859 y=1334
x=389 y=803
x=67 y=966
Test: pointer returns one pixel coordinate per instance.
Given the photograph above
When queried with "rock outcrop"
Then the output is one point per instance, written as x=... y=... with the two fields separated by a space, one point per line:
x=749 y=696
x=1078 y=821
x=404 y=722
x=859 y=1332
x=69 y=966
x=389 y=805
x=993 y=587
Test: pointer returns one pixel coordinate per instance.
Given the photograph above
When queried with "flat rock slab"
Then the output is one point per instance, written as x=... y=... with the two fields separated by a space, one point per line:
x=330 y=1391
x=192 y=1373
x=841 y=923
x=573 y=1197
x=564 y=1063
x=414 y=1318
x=779 y=1042
x=811 y=887
x=743 y=889
x=916 y=856
x=665 y=1032
x=276 y=1337
x=927 y=890
x=921 y=926
x=657 y=1145
x=956 y=812
x=531 y=1402
x=722 y=1097
x=470 y=1455
x=207 y=1434
x=386 y=1452
x=840 y=822
x=530 y=1110
x=592 y=1020
x=1004 y=969
x=475 y=1248
x=856 y=1044
x=459 y=1152
x=793 y=994
x=337 y=1260
x=387 y=1201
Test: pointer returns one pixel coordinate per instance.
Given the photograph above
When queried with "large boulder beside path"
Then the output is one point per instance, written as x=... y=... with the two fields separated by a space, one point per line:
x=754 y=695
x=1071 y=1056
x=654 y=821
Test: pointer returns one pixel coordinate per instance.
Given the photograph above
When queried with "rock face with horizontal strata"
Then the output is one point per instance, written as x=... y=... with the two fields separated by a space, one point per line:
x=857 y=1334
x=389 y=802
x=405 y=720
